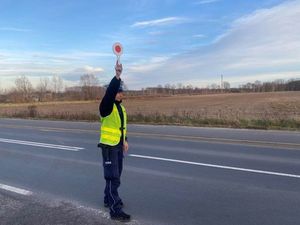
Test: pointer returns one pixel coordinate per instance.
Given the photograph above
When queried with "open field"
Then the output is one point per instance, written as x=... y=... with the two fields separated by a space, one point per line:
x=248 y=110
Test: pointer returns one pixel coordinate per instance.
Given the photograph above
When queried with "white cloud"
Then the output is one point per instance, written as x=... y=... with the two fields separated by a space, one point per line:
x=147 y=65
x=69 y=65
x=73 y=76
x=33 y=73
x=157 y=33
x=160 y=22
x=262 y=45
x=89 y=70
x=203 y=2
x=14 y=29
x=199 y=36
x=68 y=56
x=31 y=58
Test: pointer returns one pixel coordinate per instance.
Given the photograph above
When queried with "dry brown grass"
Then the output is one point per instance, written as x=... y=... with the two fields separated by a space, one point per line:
x=276 y=105
x=217 y=109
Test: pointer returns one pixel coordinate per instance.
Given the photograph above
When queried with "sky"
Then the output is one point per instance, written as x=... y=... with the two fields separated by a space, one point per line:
x=189 y=42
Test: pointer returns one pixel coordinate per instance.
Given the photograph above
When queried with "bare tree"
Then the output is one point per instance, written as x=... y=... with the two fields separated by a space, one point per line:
x=189 y=89
x=89 y=84
x=89 y=80
x=257 y=86
x=168 y=88
x=43 y=87
x=293 y=85
x=24 y=88
x=160 y=89
x=279 y=85
x=57 y=84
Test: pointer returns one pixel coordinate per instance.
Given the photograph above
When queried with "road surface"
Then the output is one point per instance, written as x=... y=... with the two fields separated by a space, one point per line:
x=173 y=175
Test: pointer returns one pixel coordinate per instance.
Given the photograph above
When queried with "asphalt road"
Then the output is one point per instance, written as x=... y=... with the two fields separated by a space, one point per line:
x=173 y=175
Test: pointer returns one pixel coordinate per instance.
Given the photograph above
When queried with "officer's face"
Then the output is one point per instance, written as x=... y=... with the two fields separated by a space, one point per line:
x=119 y=96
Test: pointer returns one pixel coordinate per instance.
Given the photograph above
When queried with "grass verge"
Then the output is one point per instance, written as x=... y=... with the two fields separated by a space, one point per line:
x=162 y=119
x=280 y=124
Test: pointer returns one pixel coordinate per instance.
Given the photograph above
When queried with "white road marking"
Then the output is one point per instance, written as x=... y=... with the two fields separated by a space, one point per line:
x=14 y=189
x=38 y=144
x=217 y=166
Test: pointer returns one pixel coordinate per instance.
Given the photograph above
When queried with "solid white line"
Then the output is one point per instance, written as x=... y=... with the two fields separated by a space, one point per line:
x=38 y=144
x=14 y=189
x=217 y=166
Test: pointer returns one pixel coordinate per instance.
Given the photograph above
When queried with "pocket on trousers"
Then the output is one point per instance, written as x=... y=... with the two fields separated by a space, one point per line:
x=110 y=163
x=106 y=155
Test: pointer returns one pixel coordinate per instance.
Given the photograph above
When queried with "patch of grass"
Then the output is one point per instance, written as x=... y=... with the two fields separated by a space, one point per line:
x=287 y=124
x=32 y=111
x=30 y=114
x=158 y=118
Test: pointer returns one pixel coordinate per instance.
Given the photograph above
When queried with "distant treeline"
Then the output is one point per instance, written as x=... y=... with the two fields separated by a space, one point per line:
x=90 y=89
x=52 y=90
x=257 y=86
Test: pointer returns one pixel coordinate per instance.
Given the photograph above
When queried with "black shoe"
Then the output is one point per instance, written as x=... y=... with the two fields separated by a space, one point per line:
x=121 y=216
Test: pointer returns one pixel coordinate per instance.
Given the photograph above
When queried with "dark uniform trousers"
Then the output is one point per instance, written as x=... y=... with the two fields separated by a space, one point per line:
x=113 y=166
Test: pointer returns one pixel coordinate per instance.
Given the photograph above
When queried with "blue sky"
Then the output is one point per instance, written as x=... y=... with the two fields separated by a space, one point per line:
x=165 y=41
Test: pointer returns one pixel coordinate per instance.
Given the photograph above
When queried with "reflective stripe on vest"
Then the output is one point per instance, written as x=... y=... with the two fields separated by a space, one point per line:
x=110 y=132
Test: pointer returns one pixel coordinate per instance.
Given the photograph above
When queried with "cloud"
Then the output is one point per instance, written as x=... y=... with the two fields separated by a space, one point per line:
x=203 y=2
x=157 y=33
x=69 y=65
x=89 y=70
x=75 y=74
x=150 y=65
x=68 y=56
x=160 y=22
x=46 y=61
x=260 y=46
x=14 y=29
x=33 y=73
x=199 y=36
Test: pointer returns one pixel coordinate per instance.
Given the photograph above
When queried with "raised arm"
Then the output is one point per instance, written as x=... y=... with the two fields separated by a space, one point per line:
x=107 y=103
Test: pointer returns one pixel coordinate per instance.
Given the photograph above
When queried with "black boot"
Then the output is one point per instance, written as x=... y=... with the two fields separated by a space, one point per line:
x=120 y=216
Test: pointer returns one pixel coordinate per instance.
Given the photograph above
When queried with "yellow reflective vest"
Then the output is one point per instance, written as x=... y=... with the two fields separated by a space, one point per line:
x=110 y=131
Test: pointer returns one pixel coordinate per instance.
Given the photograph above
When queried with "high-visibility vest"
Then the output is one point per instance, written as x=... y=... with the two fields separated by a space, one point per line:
x=110 y=132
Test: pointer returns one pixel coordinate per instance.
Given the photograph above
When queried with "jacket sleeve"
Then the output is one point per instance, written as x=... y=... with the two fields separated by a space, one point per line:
x=107 y=103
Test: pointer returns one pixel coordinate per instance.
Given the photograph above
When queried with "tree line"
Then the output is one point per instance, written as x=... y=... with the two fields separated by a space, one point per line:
x=224 y=87
x=52 y=89
x=89 y=88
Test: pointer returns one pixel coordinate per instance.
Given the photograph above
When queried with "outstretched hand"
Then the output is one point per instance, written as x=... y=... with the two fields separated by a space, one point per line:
x=119 y=69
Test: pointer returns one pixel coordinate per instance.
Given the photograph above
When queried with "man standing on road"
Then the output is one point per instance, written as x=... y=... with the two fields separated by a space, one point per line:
x=113 y=142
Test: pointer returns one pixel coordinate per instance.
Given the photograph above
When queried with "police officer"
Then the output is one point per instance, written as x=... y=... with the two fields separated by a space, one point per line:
x=113 y=141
